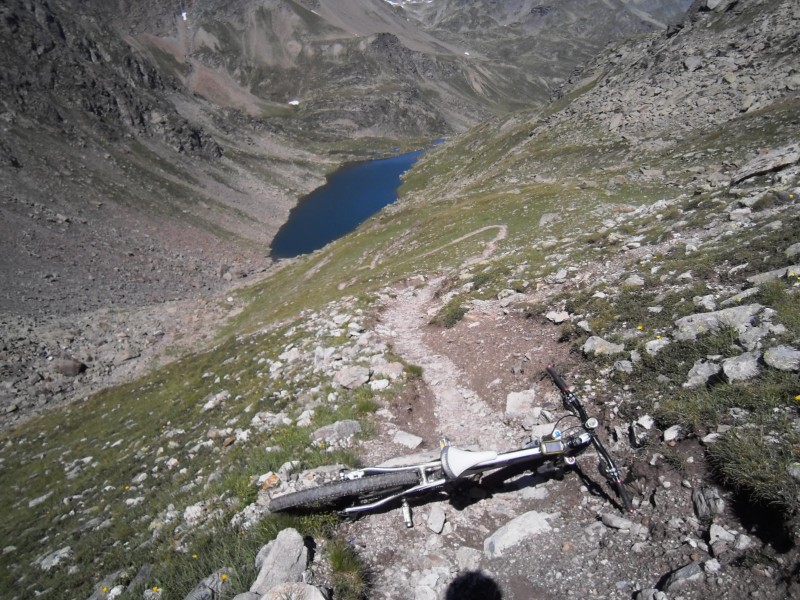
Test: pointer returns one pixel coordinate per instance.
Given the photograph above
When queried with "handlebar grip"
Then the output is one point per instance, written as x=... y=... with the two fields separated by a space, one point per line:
x=560 y=383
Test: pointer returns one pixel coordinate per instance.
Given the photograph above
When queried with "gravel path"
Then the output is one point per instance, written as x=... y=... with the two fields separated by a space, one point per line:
x=462 y=416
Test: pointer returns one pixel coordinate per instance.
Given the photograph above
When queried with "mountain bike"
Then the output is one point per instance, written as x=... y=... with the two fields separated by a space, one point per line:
x=372 y=488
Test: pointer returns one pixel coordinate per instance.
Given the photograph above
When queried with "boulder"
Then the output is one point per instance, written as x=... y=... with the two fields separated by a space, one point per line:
x=596 y=345
x=212 y=587
x=341 y=430
x=526 y=526
x=294 y=591
x=783 y=358
x=766 y=163
x=52 y=560
x=285 y=562
x=701 y=373
x=519 y=404
x=678 y=578
x=738 y=317
x=742 y=367
x=409 y=440
x=352 y=377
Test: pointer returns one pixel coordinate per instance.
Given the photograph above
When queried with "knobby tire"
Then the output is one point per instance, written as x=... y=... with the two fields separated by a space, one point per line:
x=327 y=493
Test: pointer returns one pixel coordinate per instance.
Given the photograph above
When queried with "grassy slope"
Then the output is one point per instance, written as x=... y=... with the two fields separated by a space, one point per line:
x=89 y=454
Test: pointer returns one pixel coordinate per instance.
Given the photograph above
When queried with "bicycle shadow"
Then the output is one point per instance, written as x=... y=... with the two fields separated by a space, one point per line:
x=515 y=478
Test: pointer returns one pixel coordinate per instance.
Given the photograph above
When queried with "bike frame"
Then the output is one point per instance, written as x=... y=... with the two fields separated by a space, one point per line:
x=431 y=474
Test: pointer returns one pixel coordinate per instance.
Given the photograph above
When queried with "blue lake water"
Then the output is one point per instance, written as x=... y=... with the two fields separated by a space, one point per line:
x=351 y=195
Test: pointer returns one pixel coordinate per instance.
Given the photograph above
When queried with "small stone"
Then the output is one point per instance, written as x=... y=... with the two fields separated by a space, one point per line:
x=717 y=533
x=692 y=63
x=743 y=542
x=615 y=522
x=707 y=502
x=623 y=366
x=672 y=433
x=685 y=574
x=379 y=385
x=406 y=439
x=436 y=519
x=557 y=317
x=634 y=281
x=711 y=566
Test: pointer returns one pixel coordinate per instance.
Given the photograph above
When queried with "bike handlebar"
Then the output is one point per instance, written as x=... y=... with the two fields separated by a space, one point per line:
x=574 y=405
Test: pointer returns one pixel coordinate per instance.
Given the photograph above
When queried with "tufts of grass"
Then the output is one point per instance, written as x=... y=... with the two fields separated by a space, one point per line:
x=414 y=371
x=753 y=460
x=450 y=314
x=348 y=572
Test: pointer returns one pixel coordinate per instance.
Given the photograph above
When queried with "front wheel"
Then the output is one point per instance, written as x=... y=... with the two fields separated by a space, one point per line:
x=327 y=493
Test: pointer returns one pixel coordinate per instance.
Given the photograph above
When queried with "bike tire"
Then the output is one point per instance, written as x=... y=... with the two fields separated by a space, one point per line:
x=327 y=493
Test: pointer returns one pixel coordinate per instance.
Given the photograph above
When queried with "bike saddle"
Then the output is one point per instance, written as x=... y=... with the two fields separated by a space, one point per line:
x=455 y=462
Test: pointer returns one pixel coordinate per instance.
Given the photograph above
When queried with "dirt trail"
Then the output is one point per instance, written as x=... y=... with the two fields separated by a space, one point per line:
x=462 y=416
x=491 y=246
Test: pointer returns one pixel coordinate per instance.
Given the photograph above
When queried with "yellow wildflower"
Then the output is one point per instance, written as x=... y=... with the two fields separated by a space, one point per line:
x=156 y=589
x=797 y=397
x=194 y=556
x=224 y=577
x=640 y=327
x=105 y=590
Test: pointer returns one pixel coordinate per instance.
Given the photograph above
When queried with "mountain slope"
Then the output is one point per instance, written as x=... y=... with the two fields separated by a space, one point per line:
x=664 y=223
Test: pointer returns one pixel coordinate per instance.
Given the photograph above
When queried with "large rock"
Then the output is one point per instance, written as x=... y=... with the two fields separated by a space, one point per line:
x=52 y=560
x=294 y=591
x=707 y=502
x=596 y=345
x=352 y=377
x=784 y=358
x=653 y=347
x=742 y=367
x=701 y=373
x=212 y=587
x=286 y=562
x=766 y=163
x=515 y=531
x=678 y=578
x=341 y=430
x=738 y=317
x=519 y=404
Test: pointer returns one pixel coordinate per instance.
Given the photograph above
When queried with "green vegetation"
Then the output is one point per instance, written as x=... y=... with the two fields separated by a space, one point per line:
x=450 y=314
x=349 y=574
